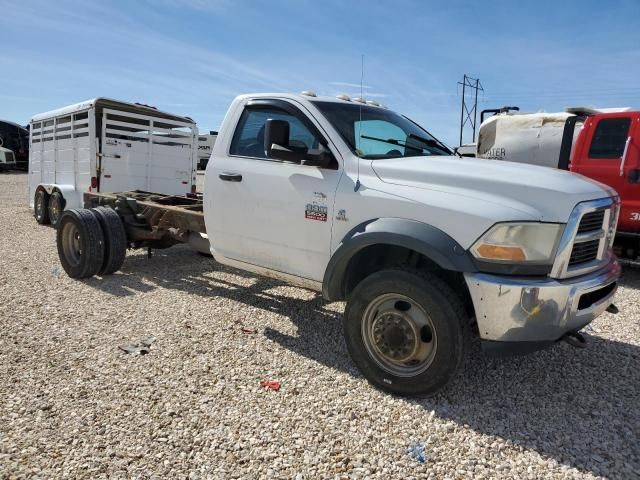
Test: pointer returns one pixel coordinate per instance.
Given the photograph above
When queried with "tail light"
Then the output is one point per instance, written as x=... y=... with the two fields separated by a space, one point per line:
x=94 y=182
x=193 y=189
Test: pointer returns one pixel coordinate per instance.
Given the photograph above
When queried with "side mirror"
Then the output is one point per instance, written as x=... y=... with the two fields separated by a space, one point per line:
x=634 y=176
x=276 y=133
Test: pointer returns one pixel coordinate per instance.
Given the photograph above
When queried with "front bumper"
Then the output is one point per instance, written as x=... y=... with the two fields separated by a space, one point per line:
x=539 y=310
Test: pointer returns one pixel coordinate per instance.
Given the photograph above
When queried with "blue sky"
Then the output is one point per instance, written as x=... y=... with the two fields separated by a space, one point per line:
x=192 y=57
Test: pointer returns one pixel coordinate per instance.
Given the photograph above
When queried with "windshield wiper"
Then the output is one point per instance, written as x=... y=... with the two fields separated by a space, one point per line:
x=393 y=141
x=430 y=141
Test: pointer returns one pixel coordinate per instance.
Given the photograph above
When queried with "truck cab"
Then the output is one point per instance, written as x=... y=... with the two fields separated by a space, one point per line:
x=327 y=192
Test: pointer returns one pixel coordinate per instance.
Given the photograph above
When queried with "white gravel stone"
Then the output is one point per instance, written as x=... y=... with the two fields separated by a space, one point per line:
x=73 y=405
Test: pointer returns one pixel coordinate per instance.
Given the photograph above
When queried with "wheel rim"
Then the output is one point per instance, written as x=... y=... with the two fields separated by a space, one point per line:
x=399 y=335
x=54 y=210
x=39 y=205
x=71 y=244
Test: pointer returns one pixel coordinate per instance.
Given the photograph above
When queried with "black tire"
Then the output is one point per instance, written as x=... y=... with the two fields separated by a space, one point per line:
x=443 y=336
x=56 y=207
x=115 y=239
x=80 y=243
x=41 y=207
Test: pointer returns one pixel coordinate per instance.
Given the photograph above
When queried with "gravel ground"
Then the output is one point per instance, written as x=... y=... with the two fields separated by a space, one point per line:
x=73 y=405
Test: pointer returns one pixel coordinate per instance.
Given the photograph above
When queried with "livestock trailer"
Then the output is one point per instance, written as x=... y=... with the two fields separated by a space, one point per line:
x=105 y=145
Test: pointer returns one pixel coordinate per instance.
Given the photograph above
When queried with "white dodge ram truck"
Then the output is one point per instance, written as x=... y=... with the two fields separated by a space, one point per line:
x=364 y=205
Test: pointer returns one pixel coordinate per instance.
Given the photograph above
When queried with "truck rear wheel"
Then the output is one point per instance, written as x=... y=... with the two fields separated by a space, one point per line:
x=56 y=207
x=80 y=243
x=405 y=331
x=115 y=239
x=41 y=207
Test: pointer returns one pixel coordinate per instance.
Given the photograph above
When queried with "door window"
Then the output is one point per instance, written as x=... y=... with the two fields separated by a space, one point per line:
x=609 y=138
x=248 y=140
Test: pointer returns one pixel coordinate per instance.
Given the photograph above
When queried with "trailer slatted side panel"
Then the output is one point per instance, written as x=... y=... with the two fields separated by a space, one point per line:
x=144 y=152
x=60 y=151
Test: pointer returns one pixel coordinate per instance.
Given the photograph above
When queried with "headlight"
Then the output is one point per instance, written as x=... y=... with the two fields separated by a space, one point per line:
x=519 y=243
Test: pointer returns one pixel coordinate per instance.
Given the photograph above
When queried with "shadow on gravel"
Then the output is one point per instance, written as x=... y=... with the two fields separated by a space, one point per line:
x=580 y=407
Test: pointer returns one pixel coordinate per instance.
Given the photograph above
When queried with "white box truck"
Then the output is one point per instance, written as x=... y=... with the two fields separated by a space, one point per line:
x=105 y=145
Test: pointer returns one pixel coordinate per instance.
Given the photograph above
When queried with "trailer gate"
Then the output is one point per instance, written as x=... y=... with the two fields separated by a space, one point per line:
x=139 y=150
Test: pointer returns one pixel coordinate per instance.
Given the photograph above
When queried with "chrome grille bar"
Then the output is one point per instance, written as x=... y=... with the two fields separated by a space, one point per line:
x=586 y=244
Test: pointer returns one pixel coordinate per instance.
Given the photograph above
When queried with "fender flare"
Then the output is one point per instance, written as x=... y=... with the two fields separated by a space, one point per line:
x=423 y=238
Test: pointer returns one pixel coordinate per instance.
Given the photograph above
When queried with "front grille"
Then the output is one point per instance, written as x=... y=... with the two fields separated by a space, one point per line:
x=591 y=221
x=586 y=242
x=584 y=252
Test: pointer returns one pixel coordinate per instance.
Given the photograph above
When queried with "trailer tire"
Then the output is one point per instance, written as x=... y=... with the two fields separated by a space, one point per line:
x=56 y=207
x=41 y=207
x=115 y=239
x=406 y=331
x=80 y=243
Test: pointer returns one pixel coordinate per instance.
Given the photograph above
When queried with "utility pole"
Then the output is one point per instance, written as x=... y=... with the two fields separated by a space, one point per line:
x=469 y=114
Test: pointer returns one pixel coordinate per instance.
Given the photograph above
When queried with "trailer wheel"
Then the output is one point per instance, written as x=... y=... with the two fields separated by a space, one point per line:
x=56 y=207
x=80 y=243
x=41 y=207
x=115 y=239
x=405 y=330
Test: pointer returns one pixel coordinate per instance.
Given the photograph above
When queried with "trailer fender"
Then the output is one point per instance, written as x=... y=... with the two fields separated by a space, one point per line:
x=425 y=239
x=68 y=192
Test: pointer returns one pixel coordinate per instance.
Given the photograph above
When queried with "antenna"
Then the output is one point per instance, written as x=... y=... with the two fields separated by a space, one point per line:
x=357 y=187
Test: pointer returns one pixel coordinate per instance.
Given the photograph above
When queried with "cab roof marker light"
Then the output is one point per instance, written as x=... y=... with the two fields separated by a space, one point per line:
x=358 y=99
x=309 y=93
x=344 y=97
x=373 y=102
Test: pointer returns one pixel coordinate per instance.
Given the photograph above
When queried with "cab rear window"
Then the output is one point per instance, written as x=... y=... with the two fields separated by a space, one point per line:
x=609 y=138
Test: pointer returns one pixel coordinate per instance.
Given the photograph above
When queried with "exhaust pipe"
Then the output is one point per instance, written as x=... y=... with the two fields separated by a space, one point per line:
x=575 y=339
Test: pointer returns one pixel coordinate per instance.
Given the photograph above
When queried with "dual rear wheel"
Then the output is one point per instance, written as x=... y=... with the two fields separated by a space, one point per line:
x=91 y=242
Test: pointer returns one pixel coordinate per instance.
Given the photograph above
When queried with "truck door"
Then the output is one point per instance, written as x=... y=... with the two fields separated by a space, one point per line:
x=609 y=152
x=270 y=213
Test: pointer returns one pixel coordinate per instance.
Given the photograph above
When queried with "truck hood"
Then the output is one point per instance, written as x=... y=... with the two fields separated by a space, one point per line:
x=538 y=193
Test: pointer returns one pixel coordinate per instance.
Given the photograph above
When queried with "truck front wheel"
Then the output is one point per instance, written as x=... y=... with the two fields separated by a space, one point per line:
x=405 y=331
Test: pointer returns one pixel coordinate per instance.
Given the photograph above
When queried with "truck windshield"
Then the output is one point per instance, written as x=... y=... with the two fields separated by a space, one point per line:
x=376 y=133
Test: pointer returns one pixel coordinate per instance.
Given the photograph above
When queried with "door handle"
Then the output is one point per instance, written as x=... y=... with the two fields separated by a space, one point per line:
x=230 y=177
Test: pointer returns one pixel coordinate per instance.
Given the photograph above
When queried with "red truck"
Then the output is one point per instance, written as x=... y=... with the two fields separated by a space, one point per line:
x=608 y=150
x=599 y=144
